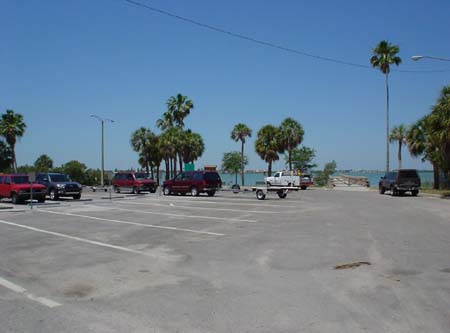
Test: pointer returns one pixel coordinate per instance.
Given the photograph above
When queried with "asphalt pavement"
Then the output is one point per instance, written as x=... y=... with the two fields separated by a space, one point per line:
x=228 y=263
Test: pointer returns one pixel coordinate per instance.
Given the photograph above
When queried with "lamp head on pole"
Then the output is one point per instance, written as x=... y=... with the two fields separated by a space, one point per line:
x=417 y=57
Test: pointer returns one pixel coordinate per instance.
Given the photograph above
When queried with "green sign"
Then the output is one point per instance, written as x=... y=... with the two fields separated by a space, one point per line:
x=189 y=167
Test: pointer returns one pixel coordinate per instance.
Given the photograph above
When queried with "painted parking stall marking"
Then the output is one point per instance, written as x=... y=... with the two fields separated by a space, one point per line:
x=133 y=223
x=84 y=240
x=18 y=289
x=170 y=205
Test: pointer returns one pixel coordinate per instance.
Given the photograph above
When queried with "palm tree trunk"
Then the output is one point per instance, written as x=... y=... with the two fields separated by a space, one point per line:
x=400 y=154
x=180 y=158
x=14 y=162
x=235 y=178
x=436 y=176
x=289 y=157
x=175 y=165
x=147 y=167
x=269 y=170
x=242 y=164
x=157 y=175
x=387 y=122
x=167 y=161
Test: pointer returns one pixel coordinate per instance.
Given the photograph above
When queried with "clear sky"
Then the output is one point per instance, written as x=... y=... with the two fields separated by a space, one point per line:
x=62 y=60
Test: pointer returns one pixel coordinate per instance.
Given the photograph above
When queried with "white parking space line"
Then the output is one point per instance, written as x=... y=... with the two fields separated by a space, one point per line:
x=227 y=219
x=170 y=205
x=18 y=289
x=234 y=202
x=132 y=223
x=116 y=247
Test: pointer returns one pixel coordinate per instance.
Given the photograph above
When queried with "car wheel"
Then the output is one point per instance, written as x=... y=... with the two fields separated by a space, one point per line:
x=303 y=187
x=153 y=190
x=211 y=193
x=41 y=200
x=260 y=195
x=414 y=193
x=117 y=189
x=381 y=189
x=53 y=194
x=15 y=199
x=194 y=191
x=77 y=196
x=393 y=191
x=135 y=190
x=166 y=190
x=282 y=194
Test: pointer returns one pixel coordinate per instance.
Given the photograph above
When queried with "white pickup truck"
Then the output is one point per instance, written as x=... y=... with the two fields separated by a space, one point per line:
x=286 y=178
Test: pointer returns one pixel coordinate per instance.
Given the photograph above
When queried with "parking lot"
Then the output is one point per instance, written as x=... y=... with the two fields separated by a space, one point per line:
x=228 y=263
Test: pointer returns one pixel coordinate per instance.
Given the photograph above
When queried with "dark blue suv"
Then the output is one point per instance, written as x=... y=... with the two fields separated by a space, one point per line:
x=59 y=185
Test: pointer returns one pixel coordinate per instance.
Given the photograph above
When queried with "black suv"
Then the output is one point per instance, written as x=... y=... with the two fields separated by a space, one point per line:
x=59 y=185
x=400 y=181
x=194 y=182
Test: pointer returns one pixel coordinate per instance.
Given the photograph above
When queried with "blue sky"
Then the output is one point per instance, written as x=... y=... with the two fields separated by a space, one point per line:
x=61 y=61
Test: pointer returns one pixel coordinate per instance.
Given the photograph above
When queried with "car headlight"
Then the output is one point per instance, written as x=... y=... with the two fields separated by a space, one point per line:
x=60 y=185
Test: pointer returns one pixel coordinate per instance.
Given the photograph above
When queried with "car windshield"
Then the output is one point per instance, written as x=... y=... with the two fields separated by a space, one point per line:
x=59 y=178
x=19 y=180
x=142 y=175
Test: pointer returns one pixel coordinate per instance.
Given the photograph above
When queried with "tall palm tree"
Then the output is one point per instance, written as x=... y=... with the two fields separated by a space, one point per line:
x=385 y=55
x=12 y=127
x=398 y=134
x=290 y=136
x=267 y=145
x=180 y=107
x=239 y=133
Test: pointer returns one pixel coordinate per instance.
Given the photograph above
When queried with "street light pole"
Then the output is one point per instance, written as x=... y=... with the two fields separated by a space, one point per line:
x=419 y=57
x=102 y=121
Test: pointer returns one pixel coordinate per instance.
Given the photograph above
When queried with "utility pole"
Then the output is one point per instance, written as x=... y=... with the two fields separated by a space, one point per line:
x=102 y=121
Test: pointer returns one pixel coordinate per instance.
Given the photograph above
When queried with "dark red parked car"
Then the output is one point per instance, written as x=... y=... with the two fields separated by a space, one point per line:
x=133 y=181
x=18 y=188
x=194 y=182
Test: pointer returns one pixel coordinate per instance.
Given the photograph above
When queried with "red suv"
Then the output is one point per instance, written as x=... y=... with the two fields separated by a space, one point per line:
x=194 y=182
x=18 y=188
x=134 y=181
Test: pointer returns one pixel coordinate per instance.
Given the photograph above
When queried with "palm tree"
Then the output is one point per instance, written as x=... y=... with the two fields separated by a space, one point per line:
x=142 y=141
x=239 y=133
x=180 y=107
x=384 y=55
x=420 y=144
x=290 y=136
x=267 y=145
x=192 y=147
x=43 y=163
x=12 y=127
x=398 y=134
x=438 y=125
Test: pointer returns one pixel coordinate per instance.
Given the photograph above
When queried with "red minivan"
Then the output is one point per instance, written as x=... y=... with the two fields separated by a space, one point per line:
x=194 y=182
x=133 y=181
x=18 y=188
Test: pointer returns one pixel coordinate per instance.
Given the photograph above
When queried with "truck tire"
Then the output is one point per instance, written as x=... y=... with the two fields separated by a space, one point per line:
x=381 y=189
x=77 y=196
x=15 y=199
x=135 y=190
x=53 y=194
x=116 y=189
x=166 y=190
x=260 y=195
x=282 y=194
x=303 y=187
x=414 y=193
x=393 y=191
x=194 y=191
